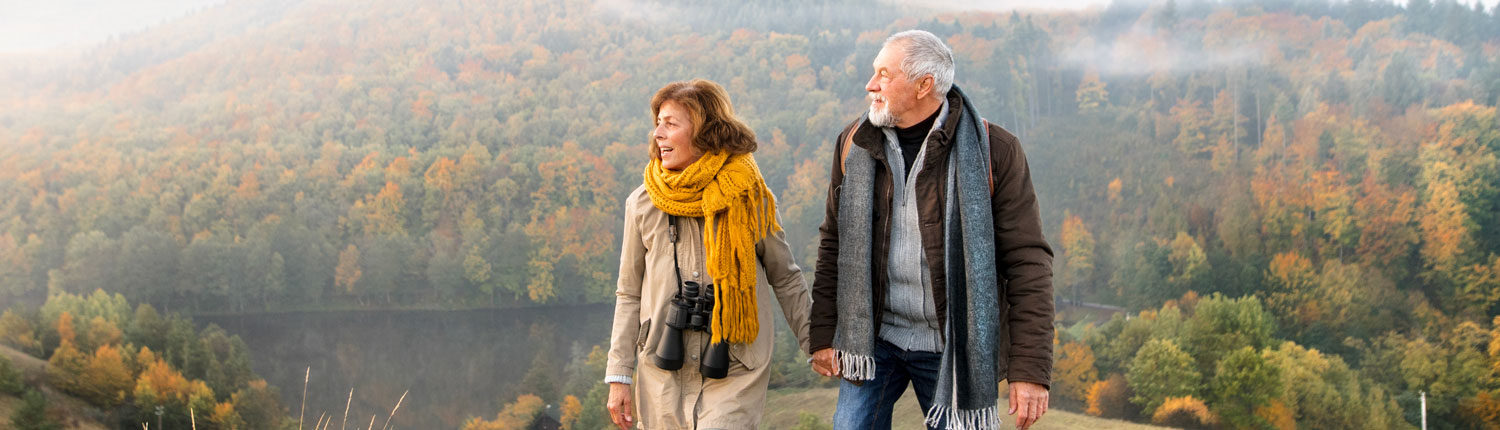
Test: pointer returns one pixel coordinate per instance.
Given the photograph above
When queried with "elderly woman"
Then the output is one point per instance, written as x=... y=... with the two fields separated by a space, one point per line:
x=702 y=256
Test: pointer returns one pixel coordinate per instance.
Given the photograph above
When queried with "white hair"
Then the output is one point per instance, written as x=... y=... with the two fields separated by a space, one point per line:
x=925 y=55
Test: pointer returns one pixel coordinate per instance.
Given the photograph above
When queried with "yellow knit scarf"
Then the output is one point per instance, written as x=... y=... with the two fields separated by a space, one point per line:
x=737 y=208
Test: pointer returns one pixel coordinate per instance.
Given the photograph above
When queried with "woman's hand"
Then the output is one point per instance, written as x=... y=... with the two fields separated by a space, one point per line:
x=620 y=407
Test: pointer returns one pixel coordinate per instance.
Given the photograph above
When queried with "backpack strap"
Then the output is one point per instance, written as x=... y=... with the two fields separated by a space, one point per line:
x=989 y=174
x=848 y=143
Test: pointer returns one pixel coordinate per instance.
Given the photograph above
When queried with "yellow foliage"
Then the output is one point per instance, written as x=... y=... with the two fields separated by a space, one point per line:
x=515 y=416
x=65 y=366
x=348 y=271
x=105 y=380
x=159 y=383
x=571 y=410
x=102 y=332
x=1075 y=374
x=18 y=332
x=225 y=417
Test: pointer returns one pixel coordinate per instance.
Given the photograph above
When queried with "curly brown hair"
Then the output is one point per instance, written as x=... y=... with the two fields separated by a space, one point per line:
x=715 y=128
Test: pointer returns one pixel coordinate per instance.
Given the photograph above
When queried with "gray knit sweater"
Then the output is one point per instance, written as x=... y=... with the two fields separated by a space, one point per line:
x=910 y=320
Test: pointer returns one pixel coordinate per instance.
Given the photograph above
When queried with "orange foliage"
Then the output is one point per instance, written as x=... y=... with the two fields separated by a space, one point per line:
x=105 y=379
x=1183 y=412
x=1483 y=408
x=1110 y=398
x=1278 y=414
x=225 y=417
x=1075 y=374
x=65 y=328
x=387 y=212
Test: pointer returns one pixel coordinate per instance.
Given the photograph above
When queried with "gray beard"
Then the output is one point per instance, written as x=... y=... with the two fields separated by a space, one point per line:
x=883 y=117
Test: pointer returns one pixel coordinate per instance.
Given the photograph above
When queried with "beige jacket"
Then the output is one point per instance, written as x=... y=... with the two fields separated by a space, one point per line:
x=684 y=399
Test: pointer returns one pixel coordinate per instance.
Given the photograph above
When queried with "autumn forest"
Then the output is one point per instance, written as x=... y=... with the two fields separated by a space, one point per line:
x=1296 y=202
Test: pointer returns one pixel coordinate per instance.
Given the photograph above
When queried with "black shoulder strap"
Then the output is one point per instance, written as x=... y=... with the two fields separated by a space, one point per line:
x=672 y=234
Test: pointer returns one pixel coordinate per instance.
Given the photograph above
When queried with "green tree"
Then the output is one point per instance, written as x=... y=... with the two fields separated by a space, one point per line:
x=1243 y=383
x=10 y=378
x=149 y=261
x=1325 y=393
x=1159 y=371
x=1222 y=325
x=259 y=405
x=90 y=263
x=32 y=415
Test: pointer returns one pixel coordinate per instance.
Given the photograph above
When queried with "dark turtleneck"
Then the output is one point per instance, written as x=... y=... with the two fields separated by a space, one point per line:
x=911 y=139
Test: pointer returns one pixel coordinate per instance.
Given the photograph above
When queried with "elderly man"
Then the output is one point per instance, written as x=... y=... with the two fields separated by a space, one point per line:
x=932 y=269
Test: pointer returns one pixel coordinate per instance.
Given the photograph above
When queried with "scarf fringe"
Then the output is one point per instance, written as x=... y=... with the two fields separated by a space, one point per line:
x=964 y=419
x=856 y=367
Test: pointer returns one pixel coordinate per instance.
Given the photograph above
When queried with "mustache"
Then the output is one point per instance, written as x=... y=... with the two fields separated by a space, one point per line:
x=874 y=97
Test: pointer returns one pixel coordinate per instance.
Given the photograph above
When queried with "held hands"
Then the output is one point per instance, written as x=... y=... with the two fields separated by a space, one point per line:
x=826 y=362
x=1028 y=402
x=619 y=405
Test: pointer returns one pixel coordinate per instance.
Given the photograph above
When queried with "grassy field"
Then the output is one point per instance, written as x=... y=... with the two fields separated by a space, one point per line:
x=71 y=412
x=783 y=407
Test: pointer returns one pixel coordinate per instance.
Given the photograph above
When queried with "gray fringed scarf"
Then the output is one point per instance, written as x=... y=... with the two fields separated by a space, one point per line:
x=966 y=395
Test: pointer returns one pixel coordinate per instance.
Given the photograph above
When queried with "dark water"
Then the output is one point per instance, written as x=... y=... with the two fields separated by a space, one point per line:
x=456 y=364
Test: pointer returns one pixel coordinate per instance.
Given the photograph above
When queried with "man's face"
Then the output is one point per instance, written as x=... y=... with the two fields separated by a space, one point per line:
x=891 y=96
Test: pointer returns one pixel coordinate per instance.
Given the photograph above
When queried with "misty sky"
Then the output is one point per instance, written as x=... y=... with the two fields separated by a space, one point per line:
x=42 y=25
x=39 y=26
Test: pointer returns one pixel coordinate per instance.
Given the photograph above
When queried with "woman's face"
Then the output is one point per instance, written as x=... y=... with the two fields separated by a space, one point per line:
x=674 y=137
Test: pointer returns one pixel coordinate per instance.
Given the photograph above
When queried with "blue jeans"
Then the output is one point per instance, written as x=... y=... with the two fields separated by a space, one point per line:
x=868 y=406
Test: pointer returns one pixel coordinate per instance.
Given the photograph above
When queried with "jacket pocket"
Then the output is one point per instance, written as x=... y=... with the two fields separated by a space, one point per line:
x=750 y=356
x=641 y=335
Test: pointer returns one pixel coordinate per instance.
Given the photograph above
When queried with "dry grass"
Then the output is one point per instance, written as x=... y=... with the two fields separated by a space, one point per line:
x=783 y=407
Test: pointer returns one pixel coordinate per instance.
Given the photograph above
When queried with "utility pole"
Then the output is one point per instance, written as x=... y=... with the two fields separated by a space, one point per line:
x=1424 y=410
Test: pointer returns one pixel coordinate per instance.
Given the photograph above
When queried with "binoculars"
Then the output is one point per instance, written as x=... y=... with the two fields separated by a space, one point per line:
x=692 y=309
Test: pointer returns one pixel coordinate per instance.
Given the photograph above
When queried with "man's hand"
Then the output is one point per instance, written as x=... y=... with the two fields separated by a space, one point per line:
x=1028 y=402
x=619 y=405
x=826 y=362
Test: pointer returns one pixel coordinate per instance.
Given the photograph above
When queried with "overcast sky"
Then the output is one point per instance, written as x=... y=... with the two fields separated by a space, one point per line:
x=28 y=26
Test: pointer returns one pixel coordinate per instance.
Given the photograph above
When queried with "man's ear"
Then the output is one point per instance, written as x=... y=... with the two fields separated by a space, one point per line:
x=925 y=86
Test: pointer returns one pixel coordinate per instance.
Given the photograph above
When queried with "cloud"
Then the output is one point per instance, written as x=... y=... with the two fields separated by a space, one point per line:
x=633 y=10
x=1140 y=52
x=1001 y=5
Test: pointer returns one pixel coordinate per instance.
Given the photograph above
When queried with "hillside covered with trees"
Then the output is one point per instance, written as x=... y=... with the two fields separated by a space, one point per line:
x=1278 y=191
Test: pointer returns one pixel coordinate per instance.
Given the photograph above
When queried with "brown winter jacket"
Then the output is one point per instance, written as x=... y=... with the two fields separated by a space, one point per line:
x=1023 y=258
